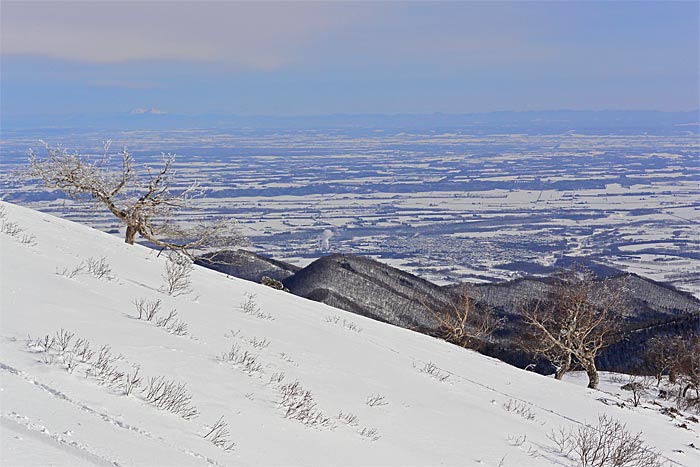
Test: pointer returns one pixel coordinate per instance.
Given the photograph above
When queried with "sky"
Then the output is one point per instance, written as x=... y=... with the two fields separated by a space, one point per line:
x=317 y=58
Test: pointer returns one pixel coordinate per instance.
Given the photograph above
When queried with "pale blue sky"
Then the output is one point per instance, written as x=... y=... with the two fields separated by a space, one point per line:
x=293 y=58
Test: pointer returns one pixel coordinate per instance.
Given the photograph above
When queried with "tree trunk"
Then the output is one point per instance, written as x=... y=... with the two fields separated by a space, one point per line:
x=592 y=373
x=563 y=368
x=130 y=234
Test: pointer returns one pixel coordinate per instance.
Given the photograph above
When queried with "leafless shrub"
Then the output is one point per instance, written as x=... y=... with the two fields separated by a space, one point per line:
x=519 y=408
x=349 y=325
x=300 y=405
x=3 y=212
x=46 y=343
x=71 y=272
x=81 y=349
x=98 y=267
x=170 y=396
x=249 y=306
x=147 y=309
x=243 y=359
x=606 y=444
x=48 y=358
x=371 y=433
x=517 y=441
x=349 y=418
x=277 y=378
x=178 y=328
x=132 y=381
x=218 y=435
x=177 y=274
x=71 y=361
x=10 y=228
x=432 y=369
x=163 y=322
x=103 y=369
x=28 y=239
x=638 y=387
x=231 y=355
x=375 y=400
x=62 y=340
x=232 y=334
x=259 y=343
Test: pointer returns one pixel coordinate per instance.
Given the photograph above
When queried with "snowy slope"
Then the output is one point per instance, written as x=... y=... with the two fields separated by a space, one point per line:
x=50 y=416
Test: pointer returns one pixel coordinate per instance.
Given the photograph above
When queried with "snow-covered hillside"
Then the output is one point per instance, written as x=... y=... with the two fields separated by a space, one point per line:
x=383 y=395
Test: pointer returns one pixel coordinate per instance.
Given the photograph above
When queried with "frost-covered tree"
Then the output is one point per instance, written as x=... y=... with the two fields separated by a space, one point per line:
x=141 y=197
x=575 y=321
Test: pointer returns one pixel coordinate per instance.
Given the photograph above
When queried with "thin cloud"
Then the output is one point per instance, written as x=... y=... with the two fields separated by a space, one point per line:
x=253 y=35
x=116 y=83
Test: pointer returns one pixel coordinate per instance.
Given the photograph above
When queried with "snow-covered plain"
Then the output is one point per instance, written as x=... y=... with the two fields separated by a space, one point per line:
x=407 y=399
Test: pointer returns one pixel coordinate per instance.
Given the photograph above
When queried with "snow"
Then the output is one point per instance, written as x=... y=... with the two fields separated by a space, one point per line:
x=50 y=416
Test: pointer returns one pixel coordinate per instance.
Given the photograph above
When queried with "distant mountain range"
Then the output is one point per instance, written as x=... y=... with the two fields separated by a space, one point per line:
x=370 y=288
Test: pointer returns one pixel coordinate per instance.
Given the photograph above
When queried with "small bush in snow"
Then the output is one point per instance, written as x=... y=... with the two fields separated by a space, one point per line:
x=218 y=435
x=71 y=273
x=608 y=444
x=170 y=396
x=349 y=418
x=432 y=369
x=376 y=400
x=172 y=324
x=517 y=441
x=249 y=306
x=370 y=433
x=177 y=274
x=10 y=228
x=147 y=309
x=81 y=349
x=638 y=387
x=62 y=340
x=14 y=230
x=243 y=359
x=131 y=381
x=519 y=408
x=45 y=344
x=346 y=324
x=98 y=267
x=276 y=378
x=103 y=369
x=259 y=343
x=300 y=405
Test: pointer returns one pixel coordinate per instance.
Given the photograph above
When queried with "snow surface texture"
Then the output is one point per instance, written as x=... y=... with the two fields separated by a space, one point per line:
x=383 y=395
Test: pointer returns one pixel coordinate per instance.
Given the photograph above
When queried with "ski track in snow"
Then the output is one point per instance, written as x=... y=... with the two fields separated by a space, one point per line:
x=25 y=424
x=24 y=427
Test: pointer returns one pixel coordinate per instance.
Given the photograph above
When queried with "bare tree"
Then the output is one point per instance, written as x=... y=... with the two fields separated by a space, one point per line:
x=141 y=197
x=461 y=323
x=575 y=321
